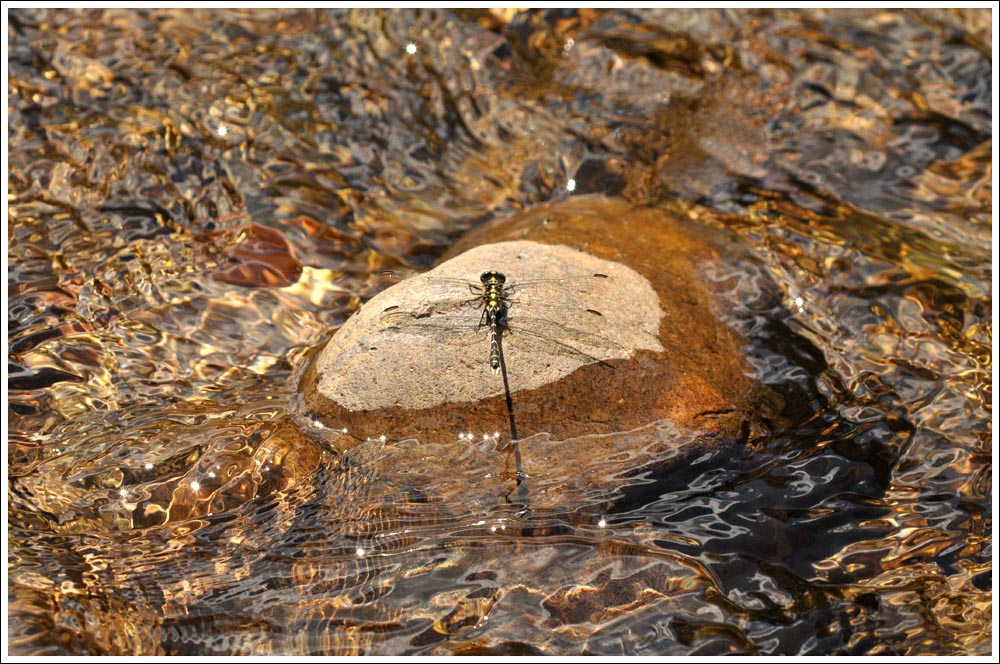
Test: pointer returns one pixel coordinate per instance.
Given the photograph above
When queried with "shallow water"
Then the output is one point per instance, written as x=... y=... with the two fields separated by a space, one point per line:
x=197 y=198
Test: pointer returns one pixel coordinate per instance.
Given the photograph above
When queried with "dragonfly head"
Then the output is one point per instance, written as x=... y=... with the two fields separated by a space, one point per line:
x=492 y=277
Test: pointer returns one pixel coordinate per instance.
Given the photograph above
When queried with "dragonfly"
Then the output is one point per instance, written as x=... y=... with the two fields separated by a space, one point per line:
x=547 y=315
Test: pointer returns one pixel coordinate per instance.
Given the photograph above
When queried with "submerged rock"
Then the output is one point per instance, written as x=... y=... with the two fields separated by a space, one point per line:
x=622 y=338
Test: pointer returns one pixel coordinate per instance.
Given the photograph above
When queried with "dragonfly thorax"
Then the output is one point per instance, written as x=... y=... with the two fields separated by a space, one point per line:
x=493 y=291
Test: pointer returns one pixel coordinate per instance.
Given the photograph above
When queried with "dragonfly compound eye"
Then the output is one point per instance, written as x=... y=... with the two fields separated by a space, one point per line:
x=492 y=276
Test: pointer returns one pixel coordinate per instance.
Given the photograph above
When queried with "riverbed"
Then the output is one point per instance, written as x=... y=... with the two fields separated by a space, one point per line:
x=199 y=199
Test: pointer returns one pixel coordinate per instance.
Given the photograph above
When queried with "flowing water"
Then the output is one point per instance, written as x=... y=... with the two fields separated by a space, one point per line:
x=197 y=198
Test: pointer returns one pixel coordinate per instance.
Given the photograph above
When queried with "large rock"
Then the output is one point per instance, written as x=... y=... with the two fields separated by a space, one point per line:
x=409 y=386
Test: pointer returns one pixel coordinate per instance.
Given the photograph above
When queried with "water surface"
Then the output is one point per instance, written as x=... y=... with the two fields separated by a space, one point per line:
x=196 y=199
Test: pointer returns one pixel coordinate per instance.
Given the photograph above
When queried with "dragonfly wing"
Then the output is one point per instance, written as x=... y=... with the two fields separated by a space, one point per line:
x=449 y=329
x=564 y=340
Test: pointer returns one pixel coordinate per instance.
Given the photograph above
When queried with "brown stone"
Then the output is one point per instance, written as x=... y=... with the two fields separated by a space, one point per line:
x=422 y=344
x=698 y=381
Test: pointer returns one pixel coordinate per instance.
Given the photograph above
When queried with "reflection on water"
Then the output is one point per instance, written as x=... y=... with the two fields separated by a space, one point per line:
x=196 y=198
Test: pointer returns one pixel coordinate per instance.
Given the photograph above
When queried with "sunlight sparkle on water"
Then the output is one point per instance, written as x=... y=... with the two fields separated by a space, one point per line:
x=222 y=130
x=571 y=185
x=411 y=48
